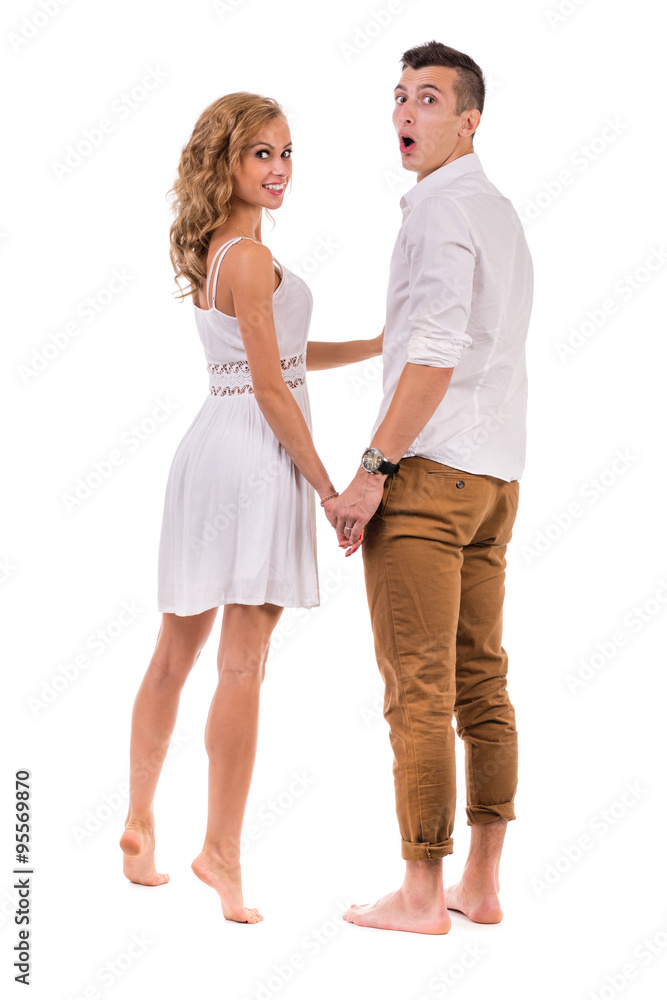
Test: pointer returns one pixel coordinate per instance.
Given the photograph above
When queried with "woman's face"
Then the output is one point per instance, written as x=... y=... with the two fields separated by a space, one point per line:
x=265 y=167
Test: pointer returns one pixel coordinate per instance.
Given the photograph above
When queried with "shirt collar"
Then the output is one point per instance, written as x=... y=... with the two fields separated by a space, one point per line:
x=440 y=178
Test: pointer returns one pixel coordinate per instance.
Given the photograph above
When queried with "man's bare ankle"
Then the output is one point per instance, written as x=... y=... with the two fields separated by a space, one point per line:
x=480 y=880
x=423 y=879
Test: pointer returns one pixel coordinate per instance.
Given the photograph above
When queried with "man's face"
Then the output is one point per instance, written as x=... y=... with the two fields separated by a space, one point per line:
x=424 y=113
x=265 y=161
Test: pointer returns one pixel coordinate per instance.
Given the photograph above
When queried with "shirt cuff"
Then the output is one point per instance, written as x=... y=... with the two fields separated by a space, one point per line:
x=437 y=354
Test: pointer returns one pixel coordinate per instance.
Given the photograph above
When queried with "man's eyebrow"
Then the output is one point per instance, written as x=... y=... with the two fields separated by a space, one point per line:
x=422 y=86
x=269 y=145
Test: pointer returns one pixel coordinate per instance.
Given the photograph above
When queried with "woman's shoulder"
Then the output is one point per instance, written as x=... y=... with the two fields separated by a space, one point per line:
x=250 y=261
x=248 y=249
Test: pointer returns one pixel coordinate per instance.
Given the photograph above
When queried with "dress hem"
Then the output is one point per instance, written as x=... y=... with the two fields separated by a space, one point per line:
x=251 y=602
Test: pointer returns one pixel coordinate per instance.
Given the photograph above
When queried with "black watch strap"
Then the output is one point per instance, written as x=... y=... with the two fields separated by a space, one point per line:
x=388 y=468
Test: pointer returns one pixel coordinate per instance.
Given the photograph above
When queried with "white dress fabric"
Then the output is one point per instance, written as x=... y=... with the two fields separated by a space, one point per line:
x=238 y=524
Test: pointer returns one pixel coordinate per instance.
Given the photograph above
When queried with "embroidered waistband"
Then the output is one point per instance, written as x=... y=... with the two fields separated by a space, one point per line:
x=230 y=378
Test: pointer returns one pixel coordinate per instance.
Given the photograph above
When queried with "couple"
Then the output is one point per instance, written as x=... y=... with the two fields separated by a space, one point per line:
x=432 y=504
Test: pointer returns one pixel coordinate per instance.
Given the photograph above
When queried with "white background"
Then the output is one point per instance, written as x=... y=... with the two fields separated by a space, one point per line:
x=570 y=925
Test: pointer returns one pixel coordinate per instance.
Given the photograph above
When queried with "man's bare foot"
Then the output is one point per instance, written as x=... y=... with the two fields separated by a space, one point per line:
x=398 y=912
x=226 y=880
x=482 y=906
x=138 y=846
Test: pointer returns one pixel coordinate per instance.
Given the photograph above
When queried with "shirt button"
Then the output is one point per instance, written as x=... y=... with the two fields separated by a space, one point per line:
x=459 y=484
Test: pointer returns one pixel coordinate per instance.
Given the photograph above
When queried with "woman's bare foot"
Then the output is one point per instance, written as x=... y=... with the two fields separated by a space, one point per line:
x=226 y=880
x=480 y=905
x=138 y=846
x=398 y=912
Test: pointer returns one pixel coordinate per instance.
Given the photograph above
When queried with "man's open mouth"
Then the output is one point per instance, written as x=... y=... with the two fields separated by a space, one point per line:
x=406 y=141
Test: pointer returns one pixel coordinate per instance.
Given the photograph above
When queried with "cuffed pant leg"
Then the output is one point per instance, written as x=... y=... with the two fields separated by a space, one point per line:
x=484 y=713
x=418 y=674
x=412 y=563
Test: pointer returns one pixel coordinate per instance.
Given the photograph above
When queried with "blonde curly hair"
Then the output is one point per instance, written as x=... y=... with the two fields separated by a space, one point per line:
x=202 y=193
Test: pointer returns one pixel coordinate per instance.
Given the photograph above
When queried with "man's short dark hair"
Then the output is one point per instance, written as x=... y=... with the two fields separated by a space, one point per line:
x=469 y=89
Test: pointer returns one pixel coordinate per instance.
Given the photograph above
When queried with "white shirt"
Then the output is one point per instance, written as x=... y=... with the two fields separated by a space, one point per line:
x=460 y=295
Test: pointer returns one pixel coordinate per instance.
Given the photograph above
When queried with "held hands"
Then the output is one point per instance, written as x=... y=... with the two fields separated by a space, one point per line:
x=350 y=512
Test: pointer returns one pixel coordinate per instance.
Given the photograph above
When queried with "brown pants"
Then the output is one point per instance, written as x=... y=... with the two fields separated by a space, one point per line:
x=434 y=562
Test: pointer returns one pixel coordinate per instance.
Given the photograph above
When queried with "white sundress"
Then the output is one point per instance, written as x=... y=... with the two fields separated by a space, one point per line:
x=238 y=524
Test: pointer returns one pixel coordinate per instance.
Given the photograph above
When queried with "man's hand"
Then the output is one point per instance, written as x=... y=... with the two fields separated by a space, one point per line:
x=354 y=508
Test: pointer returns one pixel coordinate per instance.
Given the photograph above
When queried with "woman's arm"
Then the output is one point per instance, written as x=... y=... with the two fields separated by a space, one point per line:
x=329 y=354
x=251 y=280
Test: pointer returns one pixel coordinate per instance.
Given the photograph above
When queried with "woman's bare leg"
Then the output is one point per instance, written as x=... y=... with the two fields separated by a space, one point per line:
x=231 y=744
x=179 y=643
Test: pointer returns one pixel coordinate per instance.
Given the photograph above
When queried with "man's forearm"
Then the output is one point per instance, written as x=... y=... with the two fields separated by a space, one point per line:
x=420 y=390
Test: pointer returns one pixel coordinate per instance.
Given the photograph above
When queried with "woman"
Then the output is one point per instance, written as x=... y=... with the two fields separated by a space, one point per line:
x=239 y=515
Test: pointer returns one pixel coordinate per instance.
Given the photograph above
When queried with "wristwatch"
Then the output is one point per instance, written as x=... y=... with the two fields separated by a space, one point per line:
x=373 y=461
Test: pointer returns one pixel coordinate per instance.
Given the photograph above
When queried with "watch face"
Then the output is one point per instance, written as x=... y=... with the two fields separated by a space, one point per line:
x=371 y=460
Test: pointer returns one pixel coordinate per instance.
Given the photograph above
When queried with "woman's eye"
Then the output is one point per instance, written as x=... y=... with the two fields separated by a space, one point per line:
x=260 y=152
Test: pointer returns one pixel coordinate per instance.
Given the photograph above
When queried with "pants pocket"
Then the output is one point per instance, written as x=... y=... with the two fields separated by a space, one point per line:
x=382 y=506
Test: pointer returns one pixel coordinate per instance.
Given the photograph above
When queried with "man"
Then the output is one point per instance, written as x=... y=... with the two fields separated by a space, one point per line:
x=438 y=491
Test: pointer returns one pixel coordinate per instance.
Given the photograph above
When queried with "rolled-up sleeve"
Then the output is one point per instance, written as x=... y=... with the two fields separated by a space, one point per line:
x=440 y=253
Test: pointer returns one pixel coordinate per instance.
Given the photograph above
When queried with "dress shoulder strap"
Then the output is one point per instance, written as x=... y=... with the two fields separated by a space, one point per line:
x=217 y=261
